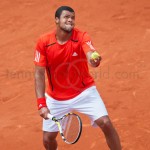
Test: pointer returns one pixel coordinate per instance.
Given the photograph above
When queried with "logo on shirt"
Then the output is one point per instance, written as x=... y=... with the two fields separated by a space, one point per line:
x=40 y=105
x=37 y=56
x=74 y=54
x=89 y=43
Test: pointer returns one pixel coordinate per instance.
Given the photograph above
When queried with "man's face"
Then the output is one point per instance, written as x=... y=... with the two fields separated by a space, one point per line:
x=66 y=21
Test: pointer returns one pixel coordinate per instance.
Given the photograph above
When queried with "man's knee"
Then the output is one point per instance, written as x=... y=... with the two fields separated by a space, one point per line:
x=49 y=138
x=104 y=123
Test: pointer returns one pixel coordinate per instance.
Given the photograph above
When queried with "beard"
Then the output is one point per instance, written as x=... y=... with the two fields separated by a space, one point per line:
x=67 y=28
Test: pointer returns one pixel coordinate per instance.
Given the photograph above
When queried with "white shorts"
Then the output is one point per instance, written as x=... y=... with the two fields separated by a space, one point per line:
x=88 y=102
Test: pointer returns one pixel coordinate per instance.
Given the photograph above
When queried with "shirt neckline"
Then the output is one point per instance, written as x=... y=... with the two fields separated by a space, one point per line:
x=61 y=45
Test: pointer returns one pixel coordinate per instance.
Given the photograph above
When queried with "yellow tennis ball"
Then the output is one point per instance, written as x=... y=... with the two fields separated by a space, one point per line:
x=95 y=55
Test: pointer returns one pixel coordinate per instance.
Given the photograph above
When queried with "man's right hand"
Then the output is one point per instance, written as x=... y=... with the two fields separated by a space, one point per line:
x=43 y=112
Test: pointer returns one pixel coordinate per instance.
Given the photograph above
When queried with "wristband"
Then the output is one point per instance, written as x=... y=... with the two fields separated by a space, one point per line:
x=41 y=102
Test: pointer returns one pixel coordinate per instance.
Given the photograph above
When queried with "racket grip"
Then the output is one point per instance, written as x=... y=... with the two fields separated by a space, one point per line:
x=50 y=116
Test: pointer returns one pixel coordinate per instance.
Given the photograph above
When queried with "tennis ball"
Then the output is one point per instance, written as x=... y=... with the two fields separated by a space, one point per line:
x=95 y=55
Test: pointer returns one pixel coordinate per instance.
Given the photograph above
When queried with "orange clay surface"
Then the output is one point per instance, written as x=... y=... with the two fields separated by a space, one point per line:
x=120 y=31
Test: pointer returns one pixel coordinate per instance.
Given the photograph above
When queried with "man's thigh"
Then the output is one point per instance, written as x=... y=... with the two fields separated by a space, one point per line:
x=91 y=104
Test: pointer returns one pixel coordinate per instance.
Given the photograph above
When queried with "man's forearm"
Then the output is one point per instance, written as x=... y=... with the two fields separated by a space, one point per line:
x=40 y=85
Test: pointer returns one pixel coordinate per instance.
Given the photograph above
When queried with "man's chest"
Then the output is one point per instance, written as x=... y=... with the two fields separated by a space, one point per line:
x=67 y=53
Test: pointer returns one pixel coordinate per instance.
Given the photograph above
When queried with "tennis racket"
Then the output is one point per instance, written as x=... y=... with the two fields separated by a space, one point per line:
x=70 y=127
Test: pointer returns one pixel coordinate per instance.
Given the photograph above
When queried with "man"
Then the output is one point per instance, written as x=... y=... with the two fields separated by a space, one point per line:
x=65 y=54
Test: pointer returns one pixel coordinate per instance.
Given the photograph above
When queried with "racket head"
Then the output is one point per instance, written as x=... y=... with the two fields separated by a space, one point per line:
x=71 y=128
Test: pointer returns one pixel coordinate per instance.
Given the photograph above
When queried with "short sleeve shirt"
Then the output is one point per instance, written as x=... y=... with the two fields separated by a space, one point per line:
x=66 y=65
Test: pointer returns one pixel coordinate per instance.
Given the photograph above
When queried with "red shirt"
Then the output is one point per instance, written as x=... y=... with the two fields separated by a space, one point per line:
x=66 y=65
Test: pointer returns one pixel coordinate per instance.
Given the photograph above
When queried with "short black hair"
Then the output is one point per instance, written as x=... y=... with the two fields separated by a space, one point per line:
x=60 y=9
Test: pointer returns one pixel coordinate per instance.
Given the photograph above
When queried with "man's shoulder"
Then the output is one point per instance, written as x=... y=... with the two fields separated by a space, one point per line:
x=78 y=33
x=47 y=38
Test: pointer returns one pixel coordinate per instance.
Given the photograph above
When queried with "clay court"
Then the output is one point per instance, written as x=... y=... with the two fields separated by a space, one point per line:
x=120 y=31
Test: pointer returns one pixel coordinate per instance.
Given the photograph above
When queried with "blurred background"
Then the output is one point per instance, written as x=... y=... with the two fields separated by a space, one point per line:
x=120 y=31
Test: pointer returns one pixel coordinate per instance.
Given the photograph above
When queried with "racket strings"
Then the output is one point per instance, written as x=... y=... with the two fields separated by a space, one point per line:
x=71 y=128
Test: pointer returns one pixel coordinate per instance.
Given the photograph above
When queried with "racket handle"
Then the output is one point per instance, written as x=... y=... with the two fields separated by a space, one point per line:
x=50 y=116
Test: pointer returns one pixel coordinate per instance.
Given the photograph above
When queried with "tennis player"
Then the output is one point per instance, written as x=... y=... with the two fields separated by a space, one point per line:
x=65 y=54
